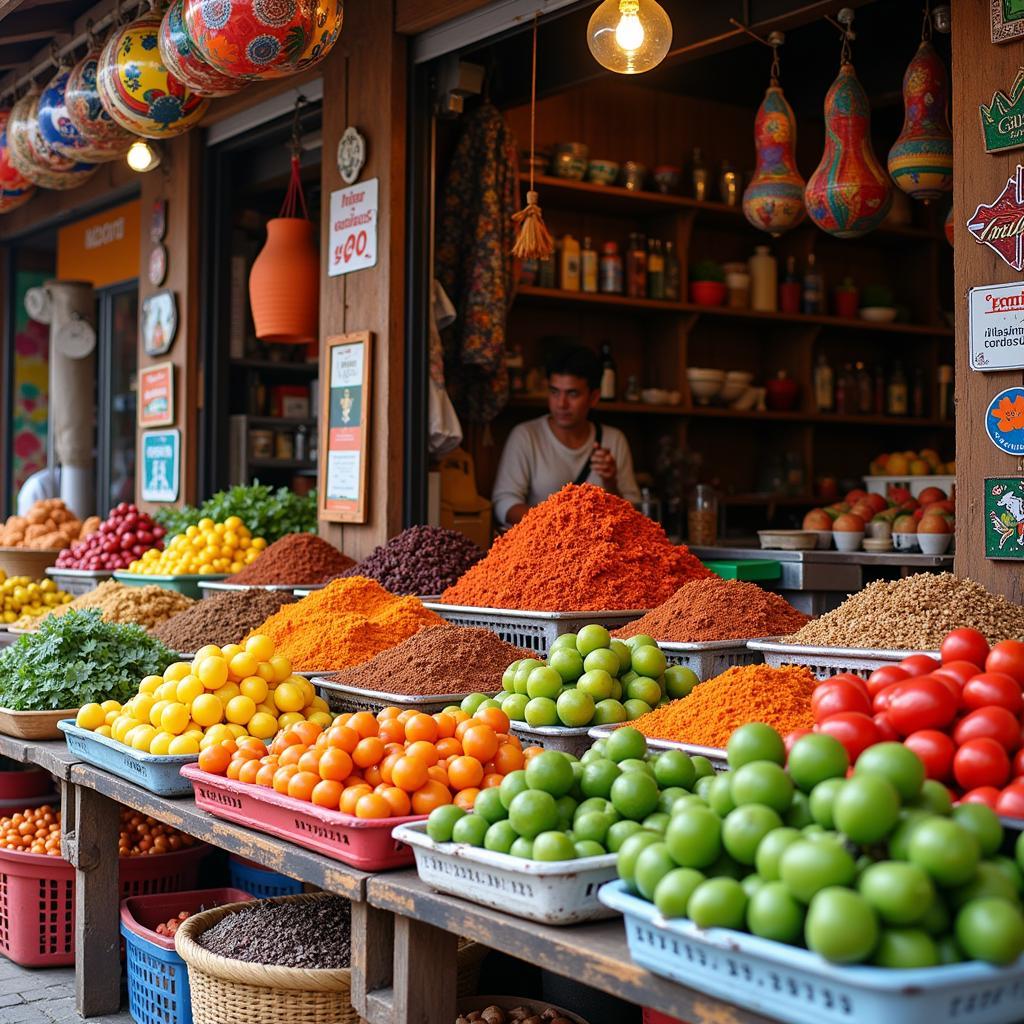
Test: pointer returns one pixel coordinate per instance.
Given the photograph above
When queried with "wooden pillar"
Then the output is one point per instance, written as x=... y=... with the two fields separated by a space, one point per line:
x=364 y=85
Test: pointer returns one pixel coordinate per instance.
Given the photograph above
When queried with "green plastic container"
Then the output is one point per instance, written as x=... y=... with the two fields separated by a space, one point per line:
x=753 y=570
x=187 y=585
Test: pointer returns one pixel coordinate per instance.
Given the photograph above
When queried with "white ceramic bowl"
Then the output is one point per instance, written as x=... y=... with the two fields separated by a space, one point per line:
x=848 y=540
x=743 y=377
x=878 y=545
x=654 y=396
x=934 y=543
x=731 y=390
x=702 y=373
x=878 y=314
x=705 y=390
x=906 y=541
x=746 y=401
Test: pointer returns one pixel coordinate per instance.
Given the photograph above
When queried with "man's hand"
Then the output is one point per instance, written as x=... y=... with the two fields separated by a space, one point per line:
x=602 y=462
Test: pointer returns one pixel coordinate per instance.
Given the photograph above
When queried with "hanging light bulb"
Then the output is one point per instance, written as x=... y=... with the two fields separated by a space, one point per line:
x=142 y=156
x=629 y=36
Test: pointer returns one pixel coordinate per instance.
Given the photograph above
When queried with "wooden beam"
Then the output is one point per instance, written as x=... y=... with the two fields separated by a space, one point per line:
x=50 y=22
x=8 y=7
x=412 y=16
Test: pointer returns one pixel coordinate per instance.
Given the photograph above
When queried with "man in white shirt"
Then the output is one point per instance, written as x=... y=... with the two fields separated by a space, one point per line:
x=541 y=456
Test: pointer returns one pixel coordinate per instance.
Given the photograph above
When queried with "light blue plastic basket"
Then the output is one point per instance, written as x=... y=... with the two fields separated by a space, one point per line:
x=799 y=987
x=159 y=773
x=260 y=882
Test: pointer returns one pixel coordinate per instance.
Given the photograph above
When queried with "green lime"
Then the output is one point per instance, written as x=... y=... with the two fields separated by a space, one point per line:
x=620 y=832
x=514 y=705
x=472 y=701
x=990 y=881
x=751 y=883
x=815 y=758
x=866 y=808
x=703 y=767
x=899 y=764
x=946 y=850
x=755 y=742
x=841 y=926
x=597 y=684
x=595 y=804
x=770 y=850
x=532 y=812
x=636 y=764
x=900 y=893
x=550 y=771
x=592 y=638
x=674 y=768
x=799 y=813
x=899 y=838
x=522 y=848
x=635 y=709
x=648 y=660
x=567 y=663
x=609 y=712
x=634 y=795
x=761 y=782
x=992 y=930
x=718 y=903
x=719 y=795
x=671 y=796
x=644 y=688
x=588 y=848
x=526 y=666
x=540 y=712
x=673 y=892
x=773 y=913
x=625 y=743
x=553 y=846
x=656 y=822
x=598 y=776
x=640 y=640
x=511 y=786
x=679 y=681
x=441 y=822
x=566 y=806
x=726 y=867
x=935 y=798
x=500 y=836
x=984 y=823
x=693 y=836
x=602 y=660
x=1010 y=869
x=652 y=865
x=544 y=682
x=808 y=867
x=490 y=702
x=745 y=827
x=905 y=948
x=593 y=825
x=508 y=677
x=821 y=800
x=489 y=806
x=630 y=850
x=566 y=641
x=621 y=648
x=470 y=829
x=575 y=708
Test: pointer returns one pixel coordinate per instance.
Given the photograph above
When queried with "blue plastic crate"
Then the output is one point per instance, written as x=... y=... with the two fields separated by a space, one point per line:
x=260 y=882
x=158 y=991
x=159 y=773
x=799 y=987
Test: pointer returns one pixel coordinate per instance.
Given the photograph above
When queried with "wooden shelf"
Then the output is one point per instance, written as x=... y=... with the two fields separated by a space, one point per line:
x=534 y=293
x=278 y=421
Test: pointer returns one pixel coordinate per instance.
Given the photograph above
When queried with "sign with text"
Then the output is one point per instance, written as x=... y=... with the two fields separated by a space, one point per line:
x=156 y=395
x=344 y=427
x=102 y=249
x=1004 y=421
x=1000 y=224
x=995 y=326
x=1004 y=517
x=161 y=465
x=1002 y=121
x=353 y=234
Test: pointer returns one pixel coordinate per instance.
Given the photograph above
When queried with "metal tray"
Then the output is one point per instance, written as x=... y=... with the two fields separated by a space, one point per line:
x=570 y=739
x=78 y=581
x=710 y=658
x=716 y=755
x=210 y=587
x=340 y=697
x=830 y=661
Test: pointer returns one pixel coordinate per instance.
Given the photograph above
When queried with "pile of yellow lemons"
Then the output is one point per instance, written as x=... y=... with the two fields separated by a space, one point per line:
x=20 y=595
x=223 y=693
x=207 y=547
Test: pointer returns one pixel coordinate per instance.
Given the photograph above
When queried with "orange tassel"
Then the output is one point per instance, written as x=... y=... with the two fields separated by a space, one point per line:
x=534 y=241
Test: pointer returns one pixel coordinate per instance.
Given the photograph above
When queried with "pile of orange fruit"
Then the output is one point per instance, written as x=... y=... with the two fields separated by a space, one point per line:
x=394 y=764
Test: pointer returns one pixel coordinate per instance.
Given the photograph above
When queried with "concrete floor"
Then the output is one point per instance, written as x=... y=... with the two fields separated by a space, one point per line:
x=43 y=996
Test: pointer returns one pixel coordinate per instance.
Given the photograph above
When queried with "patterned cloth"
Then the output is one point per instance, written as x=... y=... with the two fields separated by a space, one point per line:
x=474 y=261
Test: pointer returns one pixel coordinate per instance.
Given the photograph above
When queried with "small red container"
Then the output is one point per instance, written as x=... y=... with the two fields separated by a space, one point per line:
x=364 y=843
x=847 y=301
x=141 y=914
x=707 y=293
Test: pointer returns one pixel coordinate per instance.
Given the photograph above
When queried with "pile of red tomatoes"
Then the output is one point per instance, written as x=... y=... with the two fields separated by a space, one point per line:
x=962 y=716
x=125 y=535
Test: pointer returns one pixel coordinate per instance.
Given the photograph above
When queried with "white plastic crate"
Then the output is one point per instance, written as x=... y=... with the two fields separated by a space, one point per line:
x=341 y=697
x=710 y=658
x=715 y=755
x=566 y=738
x=914 y=484
x=830 y=661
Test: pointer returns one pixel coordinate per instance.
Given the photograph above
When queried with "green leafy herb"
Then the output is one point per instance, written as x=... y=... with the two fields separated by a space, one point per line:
x=76 y=658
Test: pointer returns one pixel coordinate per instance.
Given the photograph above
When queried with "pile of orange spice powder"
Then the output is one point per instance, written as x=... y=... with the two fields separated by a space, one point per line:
x=709 y=714
x=582 y=549
x=346 y=623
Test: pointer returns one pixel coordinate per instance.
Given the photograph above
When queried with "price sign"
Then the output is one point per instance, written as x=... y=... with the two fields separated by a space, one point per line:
x=353 y=234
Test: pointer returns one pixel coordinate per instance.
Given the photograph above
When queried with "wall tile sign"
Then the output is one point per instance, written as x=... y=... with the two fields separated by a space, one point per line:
x=1007 y=20
x=1000 y=224
x=156 y=395
x=995 y=326
x=1002 y=122
x=1004 y=517
x=161 y=465
x=352 y=243
x=1004 y=421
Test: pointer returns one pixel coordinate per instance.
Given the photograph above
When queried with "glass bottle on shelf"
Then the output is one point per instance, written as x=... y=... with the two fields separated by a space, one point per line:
x=671 y=272
x=655 y=270
x=729 y=184
x=608 y=374
x=917 y=393
x=846 y=400
x=879 y=385
x=896 y=393
x=611 y=270
x=790 y=288
x=824 y=384
x=702 y=516
x=865 y=390
x=546 y=273
x=588 y=267
x=636 y=267
x=814 y=288
x=764 y=289
x=569 y=264
x=700 y=176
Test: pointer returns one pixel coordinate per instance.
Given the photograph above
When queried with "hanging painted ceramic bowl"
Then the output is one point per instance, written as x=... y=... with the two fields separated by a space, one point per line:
x=184 y=62
x=15 y=189
x=263 y=38
x=32 y=158
x=58 y=131
x=87 y=113
x=138 y=91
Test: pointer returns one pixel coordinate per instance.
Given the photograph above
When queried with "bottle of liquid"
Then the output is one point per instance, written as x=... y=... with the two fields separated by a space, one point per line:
x=789 y=290
x=865 y=390
x=671 y=273
x=700 y=176
x=917 y=393
x=878 y=405
x=546 y=273
x=945 y=404
x=845 y=388
x=569 y=264
x=763 y=280
x=610 y=270
x=607 y=374
x=636 y=268
x=729 y=184
x=824 y=384
x=655 y=270
x=588 y=267
x=896 y=393
x=814 y=289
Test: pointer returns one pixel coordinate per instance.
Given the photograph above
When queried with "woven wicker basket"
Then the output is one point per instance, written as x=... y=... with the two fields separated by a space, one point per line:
x=235 y=992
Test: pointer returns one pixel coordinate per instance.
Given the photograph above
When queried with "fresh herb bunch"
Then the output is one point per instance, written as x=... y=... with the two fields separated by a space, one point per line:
x=76 y=658
x=267 y=512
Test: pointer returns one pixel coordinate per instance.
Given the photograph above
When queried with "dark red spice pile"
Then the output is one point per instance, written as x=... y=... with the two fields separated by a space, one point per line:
x=295 y=559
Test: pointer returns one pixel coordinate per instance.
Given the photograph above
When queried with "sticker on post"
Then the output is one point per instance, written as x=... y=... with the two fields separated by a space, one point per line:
x=995 y=326
x=161 y=465
x=1006 y=20
x=1000 y=224
x=1004 y=517
x=1002 y=121
x=353 y=235
x=1004 y=421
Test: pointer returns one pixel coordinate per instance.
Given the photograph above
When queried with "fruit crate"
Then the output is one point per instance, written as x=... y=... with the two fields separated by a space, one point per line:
x=364 y=843
x=534 y=631
x=158 y=990
x=37 y=899
x=710 y=658
x=830 y=661
x=914 y=484
x=259 y=881
x=341 y=697
x=187 y=584
x=799 y=987
x=158 y=773
x=549 y=892
x=78 y=581
x=569 y=739
x=716 y=755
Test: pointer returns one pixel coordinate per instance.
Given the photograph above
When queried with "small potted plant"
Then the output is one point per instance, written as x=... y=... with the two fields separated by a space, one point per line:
x=877 y=304
x=707 y=283
x=847 y=297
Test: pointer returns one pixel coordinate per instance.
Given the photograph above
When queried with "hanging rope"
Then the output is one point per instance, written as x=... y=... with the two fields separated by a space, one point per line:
x=295 y=198
x=534 y=241
x=926 y=26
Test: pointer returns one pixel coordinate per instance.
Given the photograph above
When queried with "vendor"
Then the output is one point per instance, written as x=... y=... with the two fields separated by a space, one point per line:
x=566 y=446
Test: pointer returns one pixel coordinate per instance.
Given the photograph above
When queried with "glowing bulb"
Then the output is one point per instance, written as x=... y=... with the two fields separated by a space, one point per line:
x=629 y=36
x=142 y=156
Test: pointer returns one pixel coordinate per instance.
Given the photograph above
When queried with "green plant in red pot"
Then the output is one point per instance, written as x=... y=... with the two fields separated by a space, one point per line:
x=847 y=298
x=707 y=283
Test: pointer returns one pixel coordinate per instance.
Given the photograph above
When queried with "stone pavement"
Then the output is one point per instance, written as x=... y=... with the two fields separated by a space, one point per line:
x=43 y=996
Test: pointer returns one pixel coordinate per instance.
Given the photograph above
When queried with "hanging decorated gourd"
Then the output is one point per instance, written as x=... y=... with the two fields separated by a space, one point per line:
x=849 y=193
x=87 y=113
x=58 y=131
x=184 y=62
x=256 y=39
x=774 y=199
x=15 y=189
x=921 y=159
x=31 y=157
x=947 y=227
x=137 y=90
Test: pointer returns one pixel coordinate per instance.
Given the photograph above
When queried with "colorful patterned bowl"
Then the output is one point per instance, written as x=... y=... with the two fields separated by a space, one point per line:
x=32 y=158
x=86 y=111
x=58 y=131
x=184 y=62
x=15 y=189
x=257 y=39
x=138 y=91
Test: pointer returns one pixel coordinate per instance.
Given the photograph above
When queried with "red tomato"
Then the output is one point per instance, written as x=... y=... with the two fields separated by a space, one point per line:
x=885 y=676
x=922 y=703
x=853 y=679
x=992 y=688
x=791 y=738
x=936 y=751
x=961 y=671
x=855 y=730
x=920 y=664
x=981 y=762
x=987 y=795
x=950 y=682
x=835 y=695
x=995 y=723
x=964 y=645
x=883 y=698
x=1007 y=656
x=886 y=731
x=1011 y=801
x=1017 y=768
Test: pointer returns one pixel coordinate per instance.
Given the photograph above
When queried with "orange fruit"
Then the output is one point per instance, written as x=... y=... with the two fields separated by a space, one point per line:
x=466 y=798
x=249 y=771
x=391 y=731
x=530 y=753
x=389 y=712
x=465 y=773
x=430 y=795
x=458 y=714
x=405 y=715
x=349 y=797
x=327 y=793
x=307 y=732
x=464 y=726
x=234 y=769
x=398 y=800
x=369 y=750
x=215 y=759
x=445 y=725
x=355 y=779
x=425 y=751
x=343 y=718
x=291 y=754
x=302 y=784
x=372 y=805
x=494 y=717
x=435 y=771
x=310 y=761
x=509 y=758
x=449 y=746
x=364 y=723
x=372 y=775
x=421 y=727
x=342 y=737
x=480 y=742
x=409 y=773
x=391 y=758
x=335 y=765
x=252 y=743
x=491 y=779
x=265 y=776
x=283 y=776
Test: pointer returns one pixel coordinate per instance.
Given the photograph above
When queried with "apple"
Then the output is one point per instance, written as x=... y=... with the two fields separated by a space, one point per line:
x=817 y=519
x=943 y=506
x=877 y=502
x=905 y=524
x=931 y=494
x=849 y=523
x=897 y=495
x=855 y=495
x=934 y=524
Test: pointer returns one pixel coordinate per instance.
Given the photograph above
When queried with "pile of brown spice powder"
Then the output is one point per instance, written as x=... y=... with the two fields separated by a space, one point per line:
x=224 y=619
x=295 y=559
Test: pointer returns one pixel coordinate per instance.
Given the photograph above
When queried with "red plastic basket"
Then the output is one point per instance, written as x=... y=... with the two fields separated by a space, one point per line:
x=25 y=785
x=364 y=843
x=37 y=899
x=141 y=914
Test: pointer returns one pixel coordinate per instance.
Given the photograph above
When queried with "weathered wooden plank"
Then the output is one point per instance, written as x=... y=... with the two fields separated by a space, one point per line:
x=373 y=952
x=425 y=970
x=594 y=954
x=52 y=755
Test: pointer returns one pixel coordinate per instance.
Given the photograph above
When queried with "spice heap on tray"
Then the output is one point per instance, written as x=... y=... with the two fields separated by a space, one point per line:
x=147 y=606
x=440 y=659
x=914 y=613
x=422 y=560
x=779 y=697
x=295 y=559
x=346 y=623
x=582 y=549
x=221 y=619
x=718 y=610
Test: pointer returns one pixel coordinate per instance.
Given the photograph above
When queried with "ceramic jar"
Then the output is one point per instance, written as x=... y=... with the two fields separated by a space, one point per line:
x=284 y=284
x=59 y=132
x=15 y=189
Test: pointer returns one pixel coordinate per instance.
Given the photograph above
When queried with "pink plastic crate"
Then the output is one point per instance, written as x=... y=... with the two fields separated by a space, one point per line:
x=141 y=914
x=360 y=842
x=25 y=785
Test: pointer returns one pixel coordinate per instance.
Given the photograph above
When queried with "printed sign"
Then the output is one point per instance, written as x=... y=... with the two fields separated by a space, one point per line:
x=1002 y=122
x=161 y=465
x=159 y=323
x=1004 y=517
x=156 y=395
x=344 y=422
x=353 y=234
x=1000 y=224
x=1007 y=20
x=995 y=326
x=1004 y=421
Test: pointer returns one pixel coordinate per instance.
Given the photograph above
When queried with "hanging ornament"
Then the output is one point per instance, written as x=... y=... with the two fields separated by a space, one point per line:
x=31 y=157
x=921 y=159
x=87 y=113
x=184 y=62
x=774 y=199
x=59 y=132
x=256 y=39
x=15 y=189
x=284 y=283
x=849 y=193
x=947 y=227
x=138 y=92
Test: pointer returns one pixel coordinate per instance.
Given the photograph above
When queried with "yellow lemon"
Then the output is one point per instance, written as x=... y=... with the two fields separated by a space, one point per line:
x=261 y=647
x=289 y=697
x=243 y=664
x=150 y=683
x=227 y=691
x=156 y=711
x=103 y=730
x=233 y=523
x=267 y=707
x=111 y=705
x=209 y=651
x=254 y=687
x=160 y=743
x=282 y=667
x=111 y=717
x=188 y=689
x=306 y=687
x=230 y=650
x=266 y=672
x=240 y=709
x=207 y=710
x=142 y=703
x=177 y=671
x=262 y=725
x=174 y=718
x=90 y=716
x=167 y=691
x=186 y=744
x=319 y=704
x=121 y=726
x=237 y=730
x=212 y=672
x=322 y=718
x=140 y=737
x=290 y=718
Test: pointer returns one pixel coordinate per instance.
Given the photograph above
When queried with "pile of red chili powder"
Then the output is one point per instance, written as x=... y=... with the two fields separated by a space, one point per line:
x=294 y=559
x=582 y=549
x=718 y=610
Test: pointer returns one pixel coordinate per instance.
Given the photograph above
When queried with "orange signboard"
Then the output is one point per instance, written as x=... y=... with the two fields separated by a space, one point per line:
x=156 y=395
x=102 y=249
